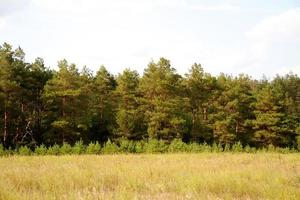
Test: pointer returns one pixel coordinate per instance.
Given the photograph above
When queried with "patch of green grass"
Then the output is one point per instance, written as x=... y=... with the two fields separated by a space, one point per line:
x=151 y=176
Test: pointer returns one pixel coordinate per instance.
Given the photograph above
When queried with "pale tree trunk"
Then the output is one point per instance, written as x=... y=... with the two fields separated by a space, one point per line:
x=5 y=124
x=101 y=109
x=63 y=115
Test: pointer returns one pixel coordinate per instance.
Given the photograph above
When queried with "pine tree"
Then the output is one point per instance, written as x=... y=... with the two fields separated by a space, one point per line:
x=9 y=91
x=129 y=116
x=267 y=117
x=104 y=104
x=64 y=106
x=200 y=87
x=161 y=89
x=232 y=110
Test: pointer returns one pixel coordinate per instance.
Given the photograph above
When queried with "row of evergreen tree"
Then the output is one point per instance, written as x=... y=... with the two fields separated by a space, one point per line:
x=43 y=106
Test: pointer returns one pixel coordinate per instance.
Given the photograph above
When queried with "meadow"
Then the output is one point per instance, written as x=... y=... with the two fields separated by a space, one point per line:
x=152 y=176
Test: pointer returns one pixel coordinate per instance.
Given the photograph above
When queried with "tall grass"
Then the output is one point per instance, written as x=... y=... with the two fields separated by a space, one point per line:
x=151 y=176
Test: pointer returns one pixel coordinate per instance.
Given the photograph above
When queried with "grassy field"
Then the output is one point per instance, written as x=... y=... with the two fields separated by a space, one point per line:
x=160 y=176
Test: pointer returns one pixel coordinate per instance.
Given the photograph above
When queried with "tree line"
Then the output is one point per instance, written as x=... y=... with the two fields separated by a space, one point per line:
x=39 y=105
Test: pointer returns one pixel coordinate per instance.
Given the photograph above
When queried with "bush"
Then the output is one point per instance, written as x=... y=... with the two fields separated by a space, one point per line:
x=2 y=151
x=283 y=150
x=216 y=148
x=194 y=148
x=247 y=149
x=40 y=150
x=177 y=146
x=237 y=147
x=65 y=149
x=205 y=147
x=93 y=148
x=271 y=148
x=78 y=148
x=110 y=148
x=24 y=151
x=139 y=147
x=53 y=150
x=156 y=146
x=227 y=148
x=127 y=146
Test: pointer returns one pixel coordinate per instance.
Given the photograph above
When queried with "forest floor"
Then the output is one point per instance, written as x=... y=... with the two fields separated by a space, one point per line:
x=151 y=176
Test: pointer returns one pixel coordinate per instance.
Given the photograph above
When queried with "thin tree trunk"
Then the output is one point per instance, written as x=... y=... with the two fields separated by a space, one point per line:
x=5 y=123
x=101 y=113
x=63 y=115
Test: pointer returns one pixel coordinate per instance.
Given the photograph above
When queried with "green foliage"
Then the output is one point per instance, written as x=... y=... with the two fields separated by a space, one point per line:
x=66 y=149
x=205 y=147
x=2 y=150
x=139 y=147
x=227 y=147
x=78 y=148
x=110 y=148
x=53 y=150
x=24 y=151
x=248 y=149
x=177 y=146
x=150 y=146
x=155 y=146
x=161 y=87
x=216 y=148
x=194 y=148
x=237 y=147
x=40 y=150
x=127 y=146
x=271 y=148
x=93 y=148
x=41 y=106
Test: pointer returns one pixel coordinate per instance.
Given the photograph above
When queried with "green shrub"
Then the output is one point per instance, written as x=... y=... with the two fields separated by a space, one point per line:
x=271 y=148
x=237 y=147
x=247 y=149
x=205 y=147
x=127 y=146
x=227 y=148
x=156 y=146
x=194 y=147
x=93 y=148
x=11 y=151
x=53 y=150
x=24 y=151
x=177 y=146
x=216 y=148
x=40 y=150
x=78 y=148
x=2 y=151
x=110 y=148
x=283 y=150
x=139 y=147
x=65 y=149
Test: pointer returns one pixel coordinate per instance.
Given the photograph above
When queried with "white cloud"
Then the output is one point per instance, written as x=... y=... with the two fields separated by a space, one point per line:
x=272 y=45
x=8 y=7
x=283 y=27
x=2 y=22
x=217 y=8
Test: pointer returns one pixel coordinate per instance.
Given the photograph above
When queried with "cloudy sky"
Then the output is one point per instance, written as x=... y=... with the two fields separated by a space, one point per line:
x=232 y=36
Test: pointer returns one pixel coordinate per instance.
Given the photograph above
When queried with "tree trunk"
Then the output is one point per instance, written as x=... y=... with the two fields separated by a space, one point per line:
x=101 y=113
x=5 y=124
x=63 y=115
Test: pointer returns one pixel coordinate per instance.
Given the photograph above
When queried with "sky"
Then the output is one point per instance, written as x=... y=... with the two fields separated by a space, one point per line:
x=253 y=37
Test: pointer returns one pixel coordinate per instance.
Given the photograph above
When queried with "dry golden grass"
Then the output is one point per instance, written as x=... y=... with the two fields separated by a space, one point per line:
x=164 y=176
